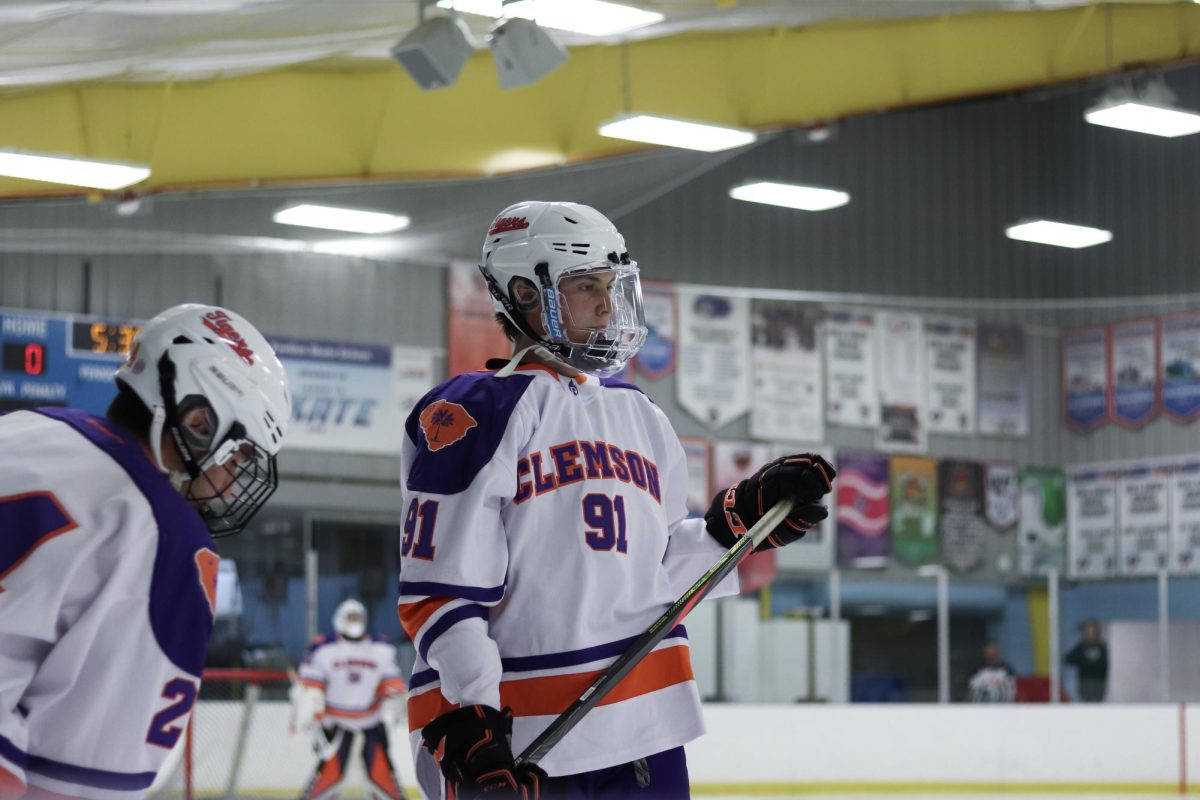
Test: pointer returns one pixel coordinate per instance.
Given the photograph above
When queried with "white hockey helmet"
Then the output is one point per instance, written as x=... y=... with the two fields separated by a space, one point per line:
x=350 y=619
x=199 y=356
x=531 y=247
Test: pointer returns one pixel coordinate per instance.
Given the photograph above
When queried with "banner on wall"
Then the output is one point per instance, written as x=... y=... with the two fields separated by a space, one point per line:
x=1091 y=522
x=713 y=384
x=696 y=454
x=343 y=396
x=472 y=333
x=815 y=550
x=914 y=510
x=734 y=461
x=1180 y=365
x=1041 y=543
x=412 y=375
x=1144 y=521
x=1134 y=369
x=901 y=349
x=851 y=396
x=1085 y=388
x=1003 y=393
x=950 y=376
x=1003 y=495
x=862 y=510
x=1185 y=517
x=786 y=403
x=964 y=529
x=656 y=359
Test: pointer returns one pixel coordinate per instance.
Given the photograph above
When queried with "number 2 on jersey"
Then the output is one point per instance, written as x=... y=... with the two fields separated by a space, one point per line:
x=605 y=517
x=419 y=522
x=28 y=521
x=160 y=734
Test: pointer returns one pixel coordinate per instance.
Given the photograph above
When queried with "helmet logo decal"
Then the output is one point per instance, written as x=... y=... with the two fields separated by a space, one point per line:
x=444 y=423
x=206 y=563
x=219 y=322
x=505 y=224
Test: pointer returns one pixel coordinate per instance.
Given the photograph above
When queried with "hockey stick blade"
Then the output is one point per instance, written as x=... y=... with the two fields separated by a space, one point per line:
x=657 y=631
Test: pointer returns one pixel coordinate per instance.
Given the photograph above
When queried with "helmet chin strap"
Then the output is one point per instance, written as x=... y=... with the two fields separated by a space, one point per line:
x=538 y=350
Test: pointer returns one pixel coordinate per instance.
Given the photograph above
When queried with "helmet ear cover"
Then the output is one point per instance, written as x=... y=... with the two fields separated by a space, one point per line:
x=524 y=294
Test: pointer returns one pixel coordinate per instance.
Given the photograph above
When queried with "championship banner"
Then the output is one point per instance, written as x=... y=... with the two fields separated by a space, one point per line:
x=1144 y=519
x=1091 y=522
x=964 y=531
x=1134 y=369
x=813 y=552
x=343 y=396
x=1003 y=489
x=1041 y=545
x=1185 y=517
x=851 y=396
x=1180 y=366
x=950 y=376
x=1084 y=355
x=862 y=510
x=713 y=384
x=472 y=333
x=914 y=508
x=901 y=383
x=696 y=454
x=656 y=359
x=1003 y=394
x=787 y=403
x=732 y=462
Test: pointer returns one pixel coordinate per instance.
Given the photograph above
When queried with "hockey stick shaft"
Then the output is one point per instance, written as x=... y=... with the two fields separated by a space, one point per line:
x=657 y=631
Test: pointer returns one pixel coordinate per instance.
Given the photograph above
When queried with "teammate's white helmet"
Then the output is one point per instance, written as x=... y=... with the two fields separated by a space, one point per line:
x=350 y=619
x=529 y=249
x=198 y=356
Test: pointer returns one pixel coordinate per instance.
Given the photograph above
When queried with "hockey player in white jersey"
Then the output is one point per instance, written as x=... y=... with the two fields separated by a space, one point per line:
x=108 y=567
x=546 y=527
x=348 y=685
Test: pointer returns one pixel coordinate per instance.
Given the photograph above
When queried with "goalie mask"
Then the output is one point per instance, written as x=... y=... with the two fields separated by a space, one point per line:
x=350 y=620
x=569 y=263
x=197 y=359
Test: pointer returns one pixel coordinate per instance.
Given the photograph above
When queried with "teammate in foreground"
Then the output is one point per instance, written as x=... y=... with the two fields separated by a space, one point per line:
x=351 y=684
x=546 y=528
x=108 y=569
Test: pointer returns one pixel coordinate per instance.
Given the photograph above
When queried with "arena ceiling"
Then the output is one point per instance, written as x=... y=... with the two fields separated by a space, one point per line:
x=239 y=93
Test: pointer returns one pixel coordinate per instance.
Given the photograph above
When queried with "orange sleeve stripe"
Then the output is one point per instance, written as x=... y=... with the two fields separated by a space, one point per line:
x=10 y=784
x=550 y=695
x=414 y=615
x=314 y=683
x=390 y=686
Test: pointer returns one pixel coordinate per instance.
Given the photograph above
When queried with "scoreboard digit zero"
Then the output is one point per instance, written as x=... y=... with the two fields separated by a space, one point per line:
x=49 y=359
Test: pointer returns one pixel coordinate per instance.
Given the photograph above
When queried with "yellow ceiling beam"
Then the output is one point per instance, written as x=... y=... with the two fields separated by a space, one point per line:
x=338 y=121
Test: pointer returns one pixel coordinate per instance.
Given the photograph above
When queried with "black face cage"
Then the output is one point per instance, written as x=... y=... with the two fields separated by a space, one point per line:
x=228 y=512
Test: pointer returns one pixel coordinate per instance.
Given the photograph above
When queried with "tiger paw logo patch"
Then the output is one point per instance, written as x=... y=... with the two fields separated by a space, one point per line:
x=207 y=563
x=444 y=423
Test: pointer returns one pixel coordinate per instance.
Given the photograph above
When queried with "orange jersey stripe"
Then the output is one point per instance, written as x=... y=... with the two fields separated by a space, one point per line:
x=414 y=615
x=550 y=695
x=343 y=713
x=316 y=684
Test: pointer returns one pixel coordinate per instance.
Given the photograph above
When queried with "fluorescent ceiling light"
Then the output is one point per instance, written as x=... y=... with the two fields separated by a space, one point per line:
x=1141 y=117
x=1062 y=234
x=676 y=132
x=790 y=195
x=588 y=17
x=341 y=219
x=92 y=173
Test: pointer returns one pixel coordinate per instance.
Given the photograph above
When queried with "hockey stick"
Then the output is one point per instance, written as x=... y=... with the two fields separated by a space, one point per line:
x=657 y=631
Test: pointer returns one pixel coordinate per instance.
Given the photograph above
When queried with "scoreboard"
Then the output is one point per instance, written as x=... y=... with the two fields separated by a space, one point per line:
x=51 y=359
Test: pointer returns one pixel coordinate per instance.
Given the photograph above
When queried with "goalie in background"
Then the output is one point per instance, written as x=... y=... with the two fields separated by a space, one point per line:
x=349 y=685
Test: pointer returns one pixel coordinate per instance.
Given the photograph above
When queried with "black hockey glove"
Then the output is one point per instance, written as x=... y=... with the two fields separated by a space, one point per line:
x=471 y=745
x=804 y=477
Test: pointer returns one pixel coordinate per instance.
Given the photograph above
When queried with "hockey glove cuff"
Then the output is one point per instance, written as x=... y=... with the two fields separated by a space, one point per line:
x=805 y=478
x=472 y=748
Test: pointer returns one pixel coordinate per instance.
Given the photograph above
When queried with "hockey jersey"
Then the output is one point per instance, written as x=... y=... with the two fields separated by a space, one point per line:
x=355 y=677
x=107 y=589
x=545 y=529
